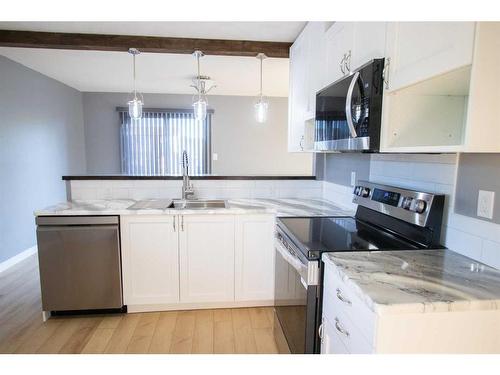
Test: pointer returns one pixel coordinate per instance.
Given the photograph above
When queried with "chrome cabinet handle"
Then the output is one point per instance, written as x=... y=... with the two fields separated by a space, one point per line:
x=182 y=223
x=342 y=298
x=348 y=106
x=301 y=144
x=347 y=62
x=339 y=328
x=385 y=72
x=173 y=223
x=320 y=330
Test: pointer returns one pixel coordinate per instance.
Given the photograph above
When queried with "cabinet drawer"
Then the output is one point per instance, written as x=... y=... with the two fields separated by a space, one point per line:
x=339 y=299
x=331 y=342
x=346 y=329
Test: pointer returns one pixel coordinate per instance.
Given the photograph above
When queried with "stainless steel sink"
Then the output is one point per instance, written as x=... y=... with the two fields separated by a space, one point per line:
x=198 y=204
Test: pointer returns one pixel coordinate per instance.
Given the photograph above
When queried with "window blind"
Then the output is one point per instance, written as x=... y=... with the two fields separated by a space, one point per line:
x=153 y=145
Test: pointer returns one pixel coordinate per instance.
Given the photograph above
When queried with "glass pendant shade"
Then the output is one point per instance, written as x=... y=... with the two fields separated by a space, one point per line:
x=200 y=109
x=261 y=105
x=261 y=111
x=135 y=108
x=135 y=105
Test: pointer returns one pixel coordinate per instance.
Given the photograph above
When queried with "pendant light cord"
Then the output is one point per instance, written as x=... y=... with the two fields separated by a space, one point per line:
x=135 y=90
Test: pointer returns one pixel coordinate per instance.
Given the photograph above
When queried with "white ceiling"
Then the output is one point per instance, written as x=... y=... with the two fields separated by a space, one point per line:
x=156 y=73
x=259 y=31
x=159 y=73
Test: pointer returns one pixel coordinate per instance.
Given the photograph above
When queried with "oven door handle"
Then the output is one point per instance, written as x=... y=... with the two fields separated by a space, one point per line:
x=348 y=106
x=291 y=259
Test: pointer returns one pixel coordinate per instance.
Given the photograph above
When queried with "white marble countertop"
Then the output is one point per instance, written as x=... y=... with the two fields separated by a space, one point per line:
x=418 y=281
x=280 y=207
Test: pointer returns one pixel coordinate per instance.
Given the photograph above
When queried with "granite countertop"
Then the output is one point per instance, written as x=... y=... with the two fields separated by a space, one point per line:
x=418 y=281
x=280 y=207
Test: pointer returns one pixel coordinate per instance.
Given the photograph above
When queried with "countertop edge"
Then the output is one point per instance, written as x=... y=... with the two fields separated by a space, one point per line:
x=414 y=307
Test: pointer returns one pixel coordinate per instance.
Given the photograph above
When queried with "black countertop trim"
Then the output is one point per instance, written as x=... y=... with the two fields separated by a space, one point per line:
x=121 y=177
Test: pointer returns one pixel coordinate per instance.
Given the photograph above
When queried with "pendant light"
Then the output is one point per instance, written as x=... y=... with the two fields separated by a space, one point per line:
x=200 y=85
x=135 y=105
x=261 y=105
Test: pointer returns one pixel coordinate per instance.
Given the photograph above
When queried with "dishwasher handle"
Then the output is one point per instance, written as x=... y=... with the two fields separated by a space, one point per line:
x=76 y=220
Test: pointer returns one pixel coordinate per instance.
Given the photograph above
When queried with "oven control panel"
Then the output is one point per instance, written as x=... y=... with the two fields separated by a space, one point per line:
x=409 y=205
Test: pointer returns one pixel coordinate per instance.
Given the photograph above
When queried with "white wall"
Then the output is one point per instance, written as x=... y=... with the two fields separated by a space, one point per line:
x=244 y=147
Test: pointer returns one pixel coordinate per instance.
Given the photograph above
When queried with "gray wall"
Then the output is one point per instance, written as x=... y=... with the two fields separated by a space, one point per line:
x=41 y=138
x=477 y=172
x=243 y=146
x=338 y=167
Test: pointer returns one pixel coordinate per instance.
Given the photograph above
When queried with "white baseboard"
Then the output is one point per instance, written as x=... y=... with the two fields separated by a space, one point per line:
x=6 y=264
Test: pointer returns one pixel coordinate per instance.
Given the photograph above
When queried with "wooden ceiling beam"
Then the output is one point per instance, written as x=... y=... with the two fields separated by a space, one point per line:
x=102 y=42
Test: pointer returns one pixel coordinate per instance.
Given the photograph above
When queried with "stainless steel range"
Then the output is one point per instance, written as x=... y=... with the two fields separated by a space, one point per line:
x=387 y=218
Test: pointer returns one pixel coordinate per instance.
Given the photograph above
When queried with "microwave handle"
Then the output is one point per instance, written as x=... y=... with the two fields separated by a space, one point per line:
x=348 y=106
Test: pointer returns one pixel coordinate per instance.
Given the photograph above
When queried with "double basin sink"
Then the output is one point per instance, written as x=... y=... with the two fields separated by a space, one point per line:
x=180 y=204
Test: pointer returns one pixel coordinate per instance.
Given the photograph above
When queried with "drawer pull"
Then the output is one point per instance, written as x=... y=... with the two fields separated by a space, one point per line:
x=340 y=329
x=342 y=298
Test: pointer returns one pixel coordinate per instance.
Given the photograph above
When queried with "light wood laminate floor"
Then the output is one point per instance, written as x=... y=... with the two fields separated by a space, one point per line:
x=247 y=330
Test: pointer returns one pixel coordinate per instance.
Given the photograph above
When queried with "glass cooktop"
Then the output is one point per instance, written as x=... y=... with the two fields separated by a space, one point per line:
x=314 y=235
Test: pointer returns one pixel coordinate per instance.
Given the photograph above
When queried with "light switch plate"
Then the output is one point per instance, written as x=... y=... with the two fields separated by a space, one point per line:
x=215 y=157
x=353 y=178
x=485 y=204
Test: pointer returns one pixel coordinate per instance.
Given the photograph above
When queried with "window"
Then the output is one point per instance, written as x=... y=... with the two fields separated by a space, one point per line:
x=153 y=145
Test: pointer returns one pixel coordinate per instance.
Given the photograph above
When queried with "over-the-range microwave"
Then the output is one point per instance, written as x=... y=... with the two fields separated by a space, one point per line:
x=349 y=111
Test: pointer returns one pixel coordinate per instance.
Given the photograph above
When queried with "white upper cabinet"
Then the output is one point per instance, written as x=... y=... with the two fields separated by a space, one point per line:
x=307 y=72
x=297 y=97
x=254 y=258
x=369 y=43
x=339 y=39
x=150 y=258
x=420 y=50
x=206 y=258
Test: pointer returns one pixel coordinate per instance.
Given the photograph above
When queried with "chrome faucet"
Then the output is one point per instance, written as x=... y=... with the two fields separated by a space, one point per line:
x=187 y=188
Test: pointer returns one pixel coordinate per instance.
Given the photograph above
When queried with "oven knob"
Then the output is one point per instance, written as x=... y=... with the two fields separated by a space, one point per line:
x=407 y=203
x=365 y=192
x=420 y=206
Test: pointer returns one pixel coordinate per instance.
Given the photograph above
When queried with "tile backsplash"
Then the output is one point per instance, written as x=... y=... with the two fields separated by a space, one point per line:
x=227 y=189
x=477 y=239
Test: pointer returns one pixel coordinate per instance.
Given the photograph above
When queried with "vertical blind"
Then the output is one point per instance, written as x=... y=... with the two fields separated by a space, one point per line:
x=153 y=145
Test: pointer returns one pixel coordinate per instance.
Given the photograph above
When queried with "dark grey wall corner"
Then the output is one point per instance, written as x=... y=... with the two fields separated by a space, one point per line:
x=477 y=172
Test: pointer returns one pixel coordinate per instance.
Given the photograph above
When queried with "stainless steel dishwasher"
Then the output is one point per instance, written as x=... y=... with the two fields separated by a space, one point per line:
x=79 y=260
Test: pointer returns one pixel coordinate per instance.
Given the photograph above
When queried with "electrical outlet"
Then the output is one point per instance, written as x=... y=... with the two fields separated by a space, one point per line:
x=485 y=203
x=353 y=178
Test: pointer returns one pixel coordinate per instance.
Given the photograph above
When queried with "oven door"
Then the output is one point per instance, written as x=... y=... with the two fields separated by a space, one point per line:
x=296 y=283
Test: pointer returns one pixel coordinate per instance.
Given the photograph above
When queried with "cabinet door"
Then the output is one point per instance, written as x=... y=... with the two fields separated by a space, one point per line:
x=339 y=39
x=254 y=258
x=297 y=100
x=369 y=42
x=420 y=50
x=150 y=257
x=206 y=258
x=316 y=64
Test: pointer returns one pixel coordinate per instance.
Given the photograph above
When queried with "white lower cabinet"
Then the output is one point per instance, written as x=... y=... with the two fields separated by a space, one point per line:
x=190 y=261
x=207 y=258
x=150 y=258
x=254 y=258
